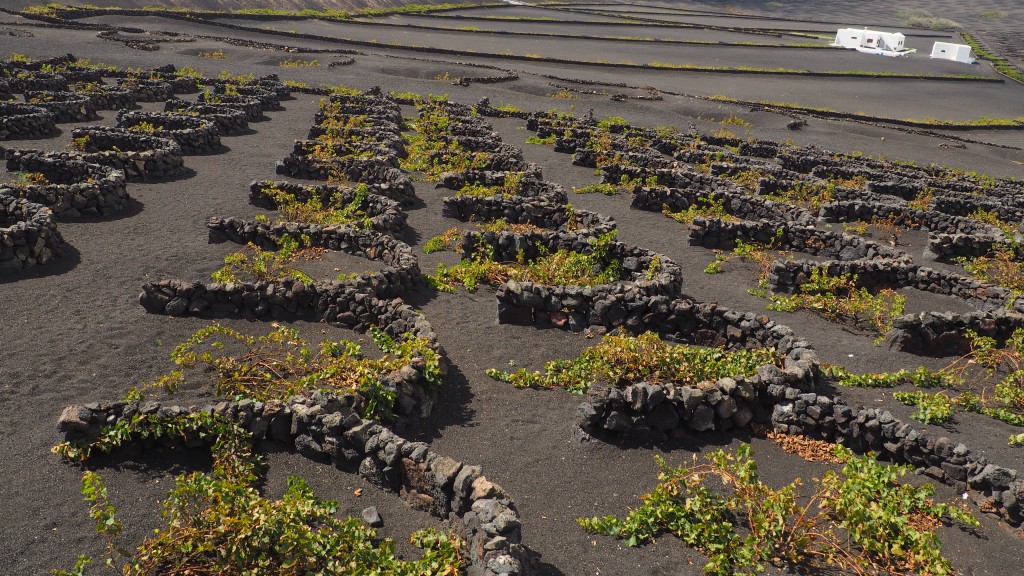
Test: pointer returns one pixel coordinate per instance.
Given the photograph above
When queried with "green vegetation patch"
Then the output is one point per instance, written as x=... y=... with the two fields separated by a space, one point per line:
x=998 y=369
x=219 y=523
x=560 y=268
x=624 y=360
x=860 y=520
x=254 y=264
x=837 y=298
x=313 y=210
x=1002 y=65
x=281 y=364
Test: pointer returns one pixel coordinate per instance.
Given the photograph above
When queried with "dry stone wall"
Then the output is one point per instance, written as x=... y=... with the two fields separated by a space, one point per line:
x=328 y=428
x=73 y=187
x=137 y=154
x=194 y=134
x=25 y=122
x=382 y=213
x=28 y=234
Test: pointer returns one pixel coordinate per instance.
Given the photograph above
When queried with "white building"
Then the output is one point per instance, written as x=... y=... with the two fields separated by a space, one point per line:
x=872 y=41
x=954 y=52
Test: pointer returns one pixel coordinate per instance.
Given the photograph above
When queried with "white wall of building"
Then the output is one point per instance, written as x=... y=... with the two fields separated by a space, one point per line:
x=954 y=52
x=864 y=38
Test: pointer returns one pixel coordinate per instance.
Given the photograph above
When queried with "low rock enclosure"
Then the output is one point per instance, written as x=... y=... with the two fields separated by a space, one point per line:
x=134 y=152
x=648 y=282
x=400 y=274
x=252 y=107
x=328 y=429
x=70 y=186
x=383 y=214
x=25 y=121
x=193 y=134
x=63 y=106
x=28 y=234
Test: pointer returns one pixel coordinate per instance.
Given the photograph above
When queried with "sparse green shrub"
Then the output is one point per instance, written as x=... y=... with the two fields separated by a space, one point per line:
x=298 y=63
x=735 y=120
x=255 y=264
x=806 y=194
x=314 y=211
x=550 y=139
x=146 y=127
x=606 y=189
x=918 y=18
x=1000 y=369
x=921 y=377
x=619 y=360
x=861 y=520
x=839 y=299
x=704 y=207
x=931 y=408
x=564 y=95
x=1000 y=267
x=280 y=364
x=219 y=523
x=446 y=241
x=560 y=268
x=407 y=97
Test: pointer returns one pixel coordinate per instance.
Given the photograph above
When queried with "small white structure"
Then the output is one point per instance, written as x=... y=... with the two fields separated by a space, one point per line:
x=954 y=52
x=872 y=41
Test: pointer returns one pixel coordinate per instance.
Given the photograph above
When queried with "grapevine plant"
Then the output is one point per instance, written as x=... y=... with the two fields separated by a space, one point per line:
x=313 y=210
x=861 y=520
x=560 y=268
x=621 y=360
x=281 y=364
x=254 y=264
x=998 y=368
x=219 y=523
x=839 y=299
